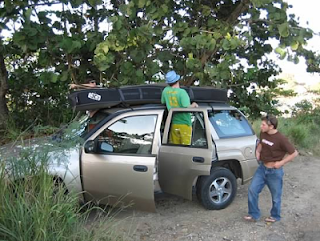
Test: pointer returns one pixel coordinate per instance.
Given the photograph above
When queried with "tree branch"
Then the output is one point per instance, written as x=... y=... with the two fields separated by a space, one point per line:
x=241 y=8
x=232 y=20
x=73 y=76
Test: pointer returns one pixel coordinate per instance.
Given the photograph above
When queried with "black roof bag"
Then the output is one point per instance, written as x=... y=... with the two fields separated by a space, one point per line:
x=92 y=99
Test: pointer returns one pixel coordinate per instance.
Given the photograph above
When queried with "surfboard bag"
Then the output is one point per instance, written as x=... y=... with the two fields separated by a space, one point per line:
x=92 y=99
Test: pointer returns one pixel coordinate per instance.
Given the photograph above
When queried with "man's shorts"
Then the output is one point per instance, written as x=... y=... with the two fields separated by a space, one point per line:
x=180 y=134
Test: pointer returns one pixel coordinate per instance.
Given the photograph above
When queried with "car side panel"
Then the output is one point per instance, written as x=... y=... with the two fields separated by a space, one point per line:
x=241 y=149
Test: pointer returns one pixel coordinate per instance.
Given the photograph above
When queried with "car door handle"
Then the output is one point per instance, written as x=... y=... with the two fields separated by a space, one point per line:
x=140 y=168
x=198 y=159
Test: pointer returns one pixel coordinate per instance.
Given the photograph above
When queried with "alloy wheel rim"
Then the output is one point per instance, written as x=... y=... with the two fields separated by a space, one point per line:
x=220 y=190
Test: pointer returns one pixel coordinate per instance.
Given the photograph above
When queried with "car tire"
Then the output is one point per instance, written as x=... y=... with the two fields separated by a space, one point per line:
x=59 y=186
x=218 y=190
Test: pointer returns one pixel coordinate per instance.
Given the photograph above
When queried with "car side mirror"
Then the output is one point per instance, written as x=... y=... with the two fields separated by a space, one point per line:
x=105 y=147
x=90 y=146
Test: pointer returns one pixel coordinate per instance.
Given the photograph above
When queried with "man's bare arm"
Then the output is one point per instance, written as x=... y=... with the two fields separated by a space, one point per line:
x=258 y=151
x=81 y=86
x=286 y=159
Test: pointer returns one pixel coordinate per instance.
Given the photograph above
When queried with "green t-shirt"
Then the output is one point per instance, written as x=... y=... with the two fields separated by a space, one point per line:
x=177 y=98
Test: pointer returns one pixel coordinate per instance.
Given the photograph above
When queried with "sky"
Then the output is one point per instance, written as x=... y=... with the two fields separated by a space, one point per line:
x=307 y=11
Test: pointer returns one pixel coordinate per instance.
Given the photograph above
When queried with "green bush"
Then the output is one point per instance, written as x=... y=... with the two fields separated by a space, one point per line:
x=302 y=108
x=304 y=112
x=298 y=135
x=256 y=126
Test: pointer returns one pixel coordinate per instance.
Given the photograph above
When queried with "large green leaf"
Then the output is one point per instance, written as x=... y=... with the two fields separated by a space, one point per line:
x=282 y=52
x=257 y=3
x=225 y=44
x=31 y=32
x=283 y=30
x=234 y=43
x=94 y=3
x=294 y=45
x=141 y=3
x=28 y=14
x=54 y=78
x=64 y=76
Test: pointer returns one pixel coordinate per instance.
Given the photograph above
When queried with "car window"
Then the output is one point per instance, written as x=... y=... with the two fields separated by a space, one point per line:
x=230 y=123
x=130 y=135
x=188 y=129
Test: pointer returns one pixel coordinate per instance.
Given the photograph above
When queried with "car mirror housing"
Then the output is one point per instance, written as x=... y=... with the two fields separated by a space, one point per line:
x=90 y=146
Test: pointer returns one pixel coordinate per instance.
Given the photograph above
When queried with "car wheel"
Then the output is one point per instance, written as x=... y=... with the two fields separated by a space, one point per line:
x=218 y=190
x=59 y=187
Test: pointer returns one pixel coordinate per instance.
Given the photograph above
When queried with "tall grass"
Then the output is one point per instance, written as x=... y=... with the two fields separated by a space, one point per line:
x=35 y=207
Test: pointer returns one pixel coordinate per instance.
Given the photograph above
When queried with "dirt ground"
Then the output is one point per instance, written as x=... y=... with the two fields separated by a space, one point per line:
x=179 y=219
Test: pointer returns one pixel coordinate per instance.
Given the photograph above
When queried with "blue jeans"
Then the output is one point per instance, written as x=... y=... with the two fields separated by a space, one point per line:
x=273 y=179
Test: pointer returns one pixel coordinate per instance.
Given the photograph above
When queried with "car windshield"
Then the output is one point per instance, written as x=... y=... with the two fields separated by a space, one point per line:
x=79 y=127
x=230 y=123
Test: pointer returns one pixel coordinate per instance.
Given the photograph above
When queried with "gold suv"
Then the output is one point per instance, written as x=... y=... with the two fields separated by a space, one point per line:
x=127 y=155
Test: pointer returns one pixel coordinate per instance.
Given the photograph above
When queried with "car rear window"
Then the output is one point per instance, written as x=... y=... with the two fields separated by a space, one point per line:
x=230 y=123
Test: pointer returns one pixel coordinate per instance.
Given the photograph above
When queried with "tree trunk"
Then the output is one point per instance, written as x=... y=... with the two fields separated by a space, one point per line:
x=3 y=92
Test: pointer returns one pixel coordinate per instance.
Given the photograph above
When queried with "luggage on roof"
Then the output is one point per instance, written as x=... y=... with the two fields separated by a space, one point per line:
x=91 y=99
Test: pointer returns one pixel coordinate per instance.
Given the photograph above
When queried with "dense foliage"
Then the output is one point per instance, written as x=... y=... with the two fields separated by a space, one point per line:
x=117 y=42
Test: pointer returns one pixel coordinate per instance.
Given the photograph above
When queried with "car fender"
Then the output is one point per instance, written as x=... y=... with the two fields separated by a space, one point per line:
x=68 y=170
x=248 y=166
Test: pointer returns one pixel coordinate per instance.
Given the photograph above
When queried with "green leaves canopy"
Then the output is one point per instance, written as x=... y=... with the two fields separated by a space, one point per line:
x=222 y=44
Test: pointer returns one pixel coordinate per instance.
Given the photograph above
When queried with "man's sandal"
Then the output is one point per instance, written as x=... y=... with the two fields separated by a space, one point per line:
x=249 y=218
x=270 y=220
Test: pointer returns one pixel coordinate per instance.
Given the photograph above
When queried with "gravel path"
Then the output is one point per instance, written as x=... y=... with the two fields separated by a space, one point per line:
x=179 y=219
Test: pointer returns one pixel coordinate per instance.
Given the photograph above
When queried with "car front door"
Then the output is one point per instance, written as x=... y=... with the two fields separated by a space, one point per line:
x=181 y=163
x=118 y=161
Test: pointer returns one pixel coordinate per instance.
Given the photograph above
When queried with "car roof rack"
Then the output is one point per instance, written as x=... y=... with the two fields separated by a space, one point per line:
x=100 y=98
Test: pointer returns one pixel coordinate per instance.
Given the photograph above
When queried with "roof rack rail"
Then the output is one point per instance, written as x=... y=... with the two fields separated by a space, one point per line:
x=99 y=98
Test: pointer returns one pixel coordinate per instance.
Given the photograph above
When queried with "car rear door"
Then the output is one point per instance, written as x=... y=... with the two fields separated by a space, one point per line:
x=181 y=164
x=119 y=168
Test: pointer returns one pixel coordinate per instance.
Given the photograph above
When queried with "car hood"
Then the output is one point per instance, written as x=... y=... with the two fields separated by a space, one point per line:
x=14 y=149
x=43 y=150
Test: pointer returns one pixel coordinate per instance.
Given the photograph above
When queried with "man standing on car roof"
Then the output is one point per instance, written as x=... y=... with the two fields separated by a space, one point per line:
x=90 y=84
x=273 y=152
x=175 y=97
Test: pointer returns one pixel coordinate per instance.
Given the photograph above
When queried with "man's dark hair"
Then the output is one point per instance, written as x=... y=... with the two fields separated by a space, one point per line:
x=89 y=81
x=172 y=84
x=271 y=120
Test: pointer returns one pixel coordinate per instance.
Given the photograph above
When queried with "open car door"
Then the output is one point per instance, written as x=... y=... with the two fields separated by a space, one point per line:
x=118 y=161
x=181 y=163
